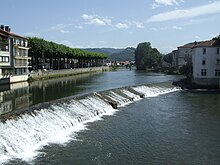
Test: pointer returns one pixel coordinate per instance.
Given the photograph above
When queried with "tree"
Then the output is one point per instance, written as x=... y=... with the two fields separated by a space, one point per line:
x=146 y=56
x=59 y=56
x=187 y=70
x=168 y=58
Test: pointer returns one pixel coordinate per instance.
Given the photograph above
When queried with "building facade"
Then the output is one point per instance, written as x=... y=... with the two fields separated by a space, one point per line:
x=206 y=63
x=182 y=55
x=14 y=60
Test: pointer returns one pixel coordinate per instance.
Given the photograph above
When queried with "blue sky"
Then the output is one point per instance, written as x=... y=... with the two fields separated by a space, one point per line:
x=114 y=23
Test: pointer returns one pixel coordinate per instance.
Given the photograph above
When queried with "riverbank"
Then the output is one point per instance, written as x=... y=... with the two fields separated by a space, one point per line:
x=188 y=84
x=50 y=74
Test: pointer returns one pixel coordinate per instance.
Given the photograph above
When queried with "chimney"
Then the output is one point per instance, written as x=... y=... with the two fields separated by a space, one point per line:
x=2 y=27
x=7 y=29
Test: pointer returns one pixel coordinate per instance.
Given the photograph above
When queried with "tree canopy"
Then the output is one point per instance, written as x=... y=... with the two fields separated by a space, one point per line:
x=168 y=58
x=146 y=56
x=49 y=49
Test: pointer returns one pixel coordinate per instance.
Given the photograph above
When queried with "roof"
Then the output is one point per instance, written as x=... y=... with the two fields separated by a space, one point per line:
x=2 y=34
x=6 y=33
x=208 y=43
x=188 y=45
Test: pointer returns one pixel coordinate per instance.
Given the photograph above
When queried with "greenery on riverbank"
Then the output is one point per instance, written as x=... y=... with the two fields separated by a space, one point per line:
x=146 y=56
x=59 y=56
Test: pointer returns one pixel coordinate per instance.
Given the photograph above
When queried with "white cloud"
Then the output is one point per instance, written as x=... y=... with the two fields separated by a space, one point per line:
x=139 y=24
x=79 y=27
x=121 y=26
x=197 y=37
x=187 y=13
x=154 y=29
x=96 y=20
x=70 y=44
x=61 y=28
x=177 y=27
x=67 y=43
x=157 y=3
x=32 y=34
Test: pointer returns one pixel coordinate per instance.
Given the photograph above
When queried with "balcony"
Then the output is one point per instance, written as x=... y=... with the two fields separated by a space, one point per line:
x=22 y=57
x=4 y=59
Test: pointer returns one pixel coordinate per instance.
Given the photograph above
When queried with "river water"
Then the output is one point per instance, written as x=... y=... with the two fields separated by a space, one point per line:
x=168 y=126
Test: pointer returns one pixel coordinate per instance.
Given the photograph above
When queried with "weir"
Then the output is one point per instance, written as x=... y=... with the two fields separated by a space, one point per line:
x=24 y=132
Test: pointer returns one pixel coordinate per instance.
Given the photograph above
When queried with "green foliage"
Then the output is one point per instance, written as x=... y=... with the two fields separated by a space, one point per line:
x=146 y=56
x=168 y=58
x=51 y=50
x=187 y=70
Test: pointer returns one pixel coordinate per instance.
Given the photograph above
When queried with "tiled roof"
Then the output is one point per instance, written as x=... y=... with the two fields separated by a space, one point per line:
x=10 y=34
x=208 y=43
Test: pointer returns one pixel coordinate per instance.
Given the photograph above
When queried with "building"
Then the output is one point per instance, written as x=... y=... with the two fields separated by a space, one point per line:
x=182 y=55
x=206 y=63
x=14 y=60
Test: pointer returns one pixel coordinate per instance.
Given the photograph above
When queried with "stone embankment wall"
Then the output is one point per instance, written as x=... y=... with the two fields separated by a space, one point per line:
x=48 y=74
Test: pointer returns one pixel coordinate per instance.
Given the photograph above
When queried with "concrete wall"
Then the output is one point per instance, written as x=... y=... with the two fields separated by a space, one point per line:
x=20 y=78
x=207 y=82
x=183 y=55
x=41 y=74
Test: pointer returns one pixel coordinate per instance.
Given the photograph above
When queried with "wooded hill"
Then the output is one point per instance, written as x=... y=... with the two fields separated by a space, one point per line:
x=115 y=54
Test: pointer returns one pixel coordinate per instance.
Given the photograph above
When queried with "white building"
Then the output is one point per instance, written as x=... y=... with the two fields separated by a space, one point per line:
x=14 y=60
x=206 y=63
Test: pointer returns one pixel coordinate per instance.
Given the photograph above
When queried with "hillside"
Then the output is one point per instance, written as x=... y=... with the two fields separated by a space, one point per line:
x=107 y=51
x=125 y=55
x=115 y=54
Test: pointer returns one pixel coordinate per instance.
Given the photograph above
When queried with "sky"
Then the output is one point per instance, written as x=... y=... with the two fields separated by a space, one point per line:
x=166 y=24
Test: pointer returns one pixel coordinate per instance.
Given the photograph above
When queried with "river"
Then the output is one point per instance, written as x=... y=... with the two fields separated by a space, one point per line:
x=168 y=126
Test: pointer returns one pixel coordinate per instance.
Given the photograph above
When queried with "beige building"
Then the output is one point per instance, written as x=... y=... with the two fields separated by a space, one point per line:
x=14 y=60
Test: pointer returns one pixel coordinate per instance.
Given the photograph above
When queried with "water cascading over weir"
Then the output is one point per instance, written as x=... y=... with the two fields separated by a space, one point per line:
x=24 y=132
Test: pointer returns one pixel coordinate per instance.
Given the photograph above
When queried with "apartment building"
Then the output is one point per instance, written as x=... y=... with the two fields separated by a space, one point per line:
x=14 y=60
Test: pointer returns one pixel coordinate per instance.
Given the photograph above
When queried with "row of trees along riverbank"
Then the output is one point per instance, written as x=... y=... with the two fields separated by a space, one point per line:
x=49 y=55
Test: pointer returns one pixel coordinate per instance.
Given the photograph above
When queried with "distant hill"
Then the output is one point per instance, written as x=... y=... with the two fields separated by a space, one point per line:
x=107 y=51
x=125 y=55
x=115 y=54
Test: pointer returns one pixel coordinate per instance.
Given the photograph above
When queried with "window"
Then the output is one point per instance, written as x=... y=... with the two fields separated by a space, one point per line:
x=217 y=61
x=203 y=72
x=218 y=51
x=4 y=59
x=204 y=50
x=217 y=73
x=203 y=62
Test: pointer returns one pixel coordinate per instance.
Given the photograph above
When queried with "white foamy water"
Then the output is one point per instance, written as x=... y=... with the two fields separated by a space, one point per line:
x=154 y=91
x=23 y=136
x=122 y=101
x=131 y=95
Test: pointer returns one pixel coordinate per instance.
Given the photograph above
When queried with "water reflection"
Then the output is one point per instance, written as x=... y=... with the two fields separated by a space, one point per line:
x=22 y=95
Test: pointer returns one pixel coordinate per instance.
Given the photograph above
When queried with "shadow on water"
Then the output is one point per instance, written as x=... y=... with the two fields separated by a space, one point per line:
x=23 y=95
